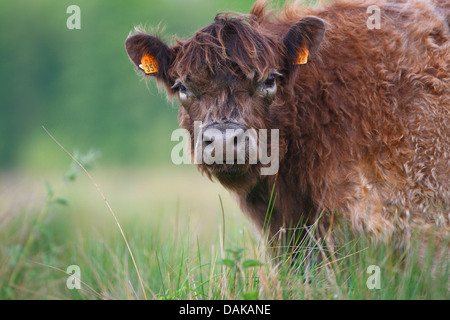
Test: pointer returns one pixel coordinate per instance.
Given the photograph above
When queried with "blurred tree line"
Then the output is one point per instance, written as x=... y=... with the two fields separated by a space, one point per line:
x=80 y=84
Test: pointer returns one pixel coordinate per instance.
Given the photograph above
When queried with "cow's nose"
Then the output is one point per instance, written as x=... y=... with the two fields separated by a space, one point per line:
x=221 y=142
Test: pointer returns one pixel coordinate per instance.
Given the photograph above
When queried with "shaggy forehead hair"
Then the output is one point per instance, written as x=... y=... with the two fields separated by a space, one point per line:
x=232 y=45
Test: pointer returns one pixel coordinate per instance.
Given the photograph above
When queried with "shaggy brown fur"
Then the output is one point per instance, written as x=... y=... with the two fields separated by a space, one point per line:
x=364 y=124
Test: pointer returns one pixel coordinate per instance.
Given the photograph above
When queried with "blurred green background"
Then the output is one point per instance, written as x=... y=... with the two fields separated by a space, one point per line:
x=81 y=85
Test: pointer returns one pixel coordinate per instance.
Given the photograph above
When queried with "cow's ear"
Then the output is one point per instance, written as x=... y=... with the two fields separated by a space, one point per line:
x=303 y=39
x=149 y=54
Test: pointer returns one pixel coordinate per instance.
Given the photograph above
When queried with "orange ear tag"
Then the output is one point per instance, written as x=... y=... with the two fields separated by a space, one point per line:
x=302 y=57
x=149 y=64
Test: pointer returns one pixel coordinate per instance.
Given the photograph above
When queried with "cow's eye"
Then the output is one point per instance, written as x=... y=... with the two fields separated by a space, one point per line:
x=270 y=82
x=183 y=93
x=180 y=86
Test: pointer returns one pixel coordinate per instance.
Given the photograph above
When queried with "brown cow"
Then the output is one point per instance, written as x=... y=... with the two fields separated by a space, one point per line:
x=362 y=112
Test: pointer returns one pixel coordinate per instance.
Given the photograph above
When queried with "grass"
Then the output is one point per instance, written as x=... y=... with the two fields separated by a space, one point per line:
x=189 y=241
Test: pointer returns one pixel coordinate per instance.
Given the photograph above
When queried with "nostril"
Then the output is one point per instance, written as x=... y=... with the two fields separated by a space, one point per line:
x=208 y=142
x=231 y=139
x=209 y=136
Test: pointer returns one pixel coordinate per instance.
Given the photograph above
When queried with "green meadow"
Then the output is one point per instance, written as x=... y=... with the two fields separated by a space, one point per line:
x=173 y=234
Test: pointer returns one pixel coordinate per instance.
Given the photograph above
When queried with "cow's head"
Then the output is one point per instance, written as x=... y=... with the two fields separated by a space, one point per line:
x=232 y=76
